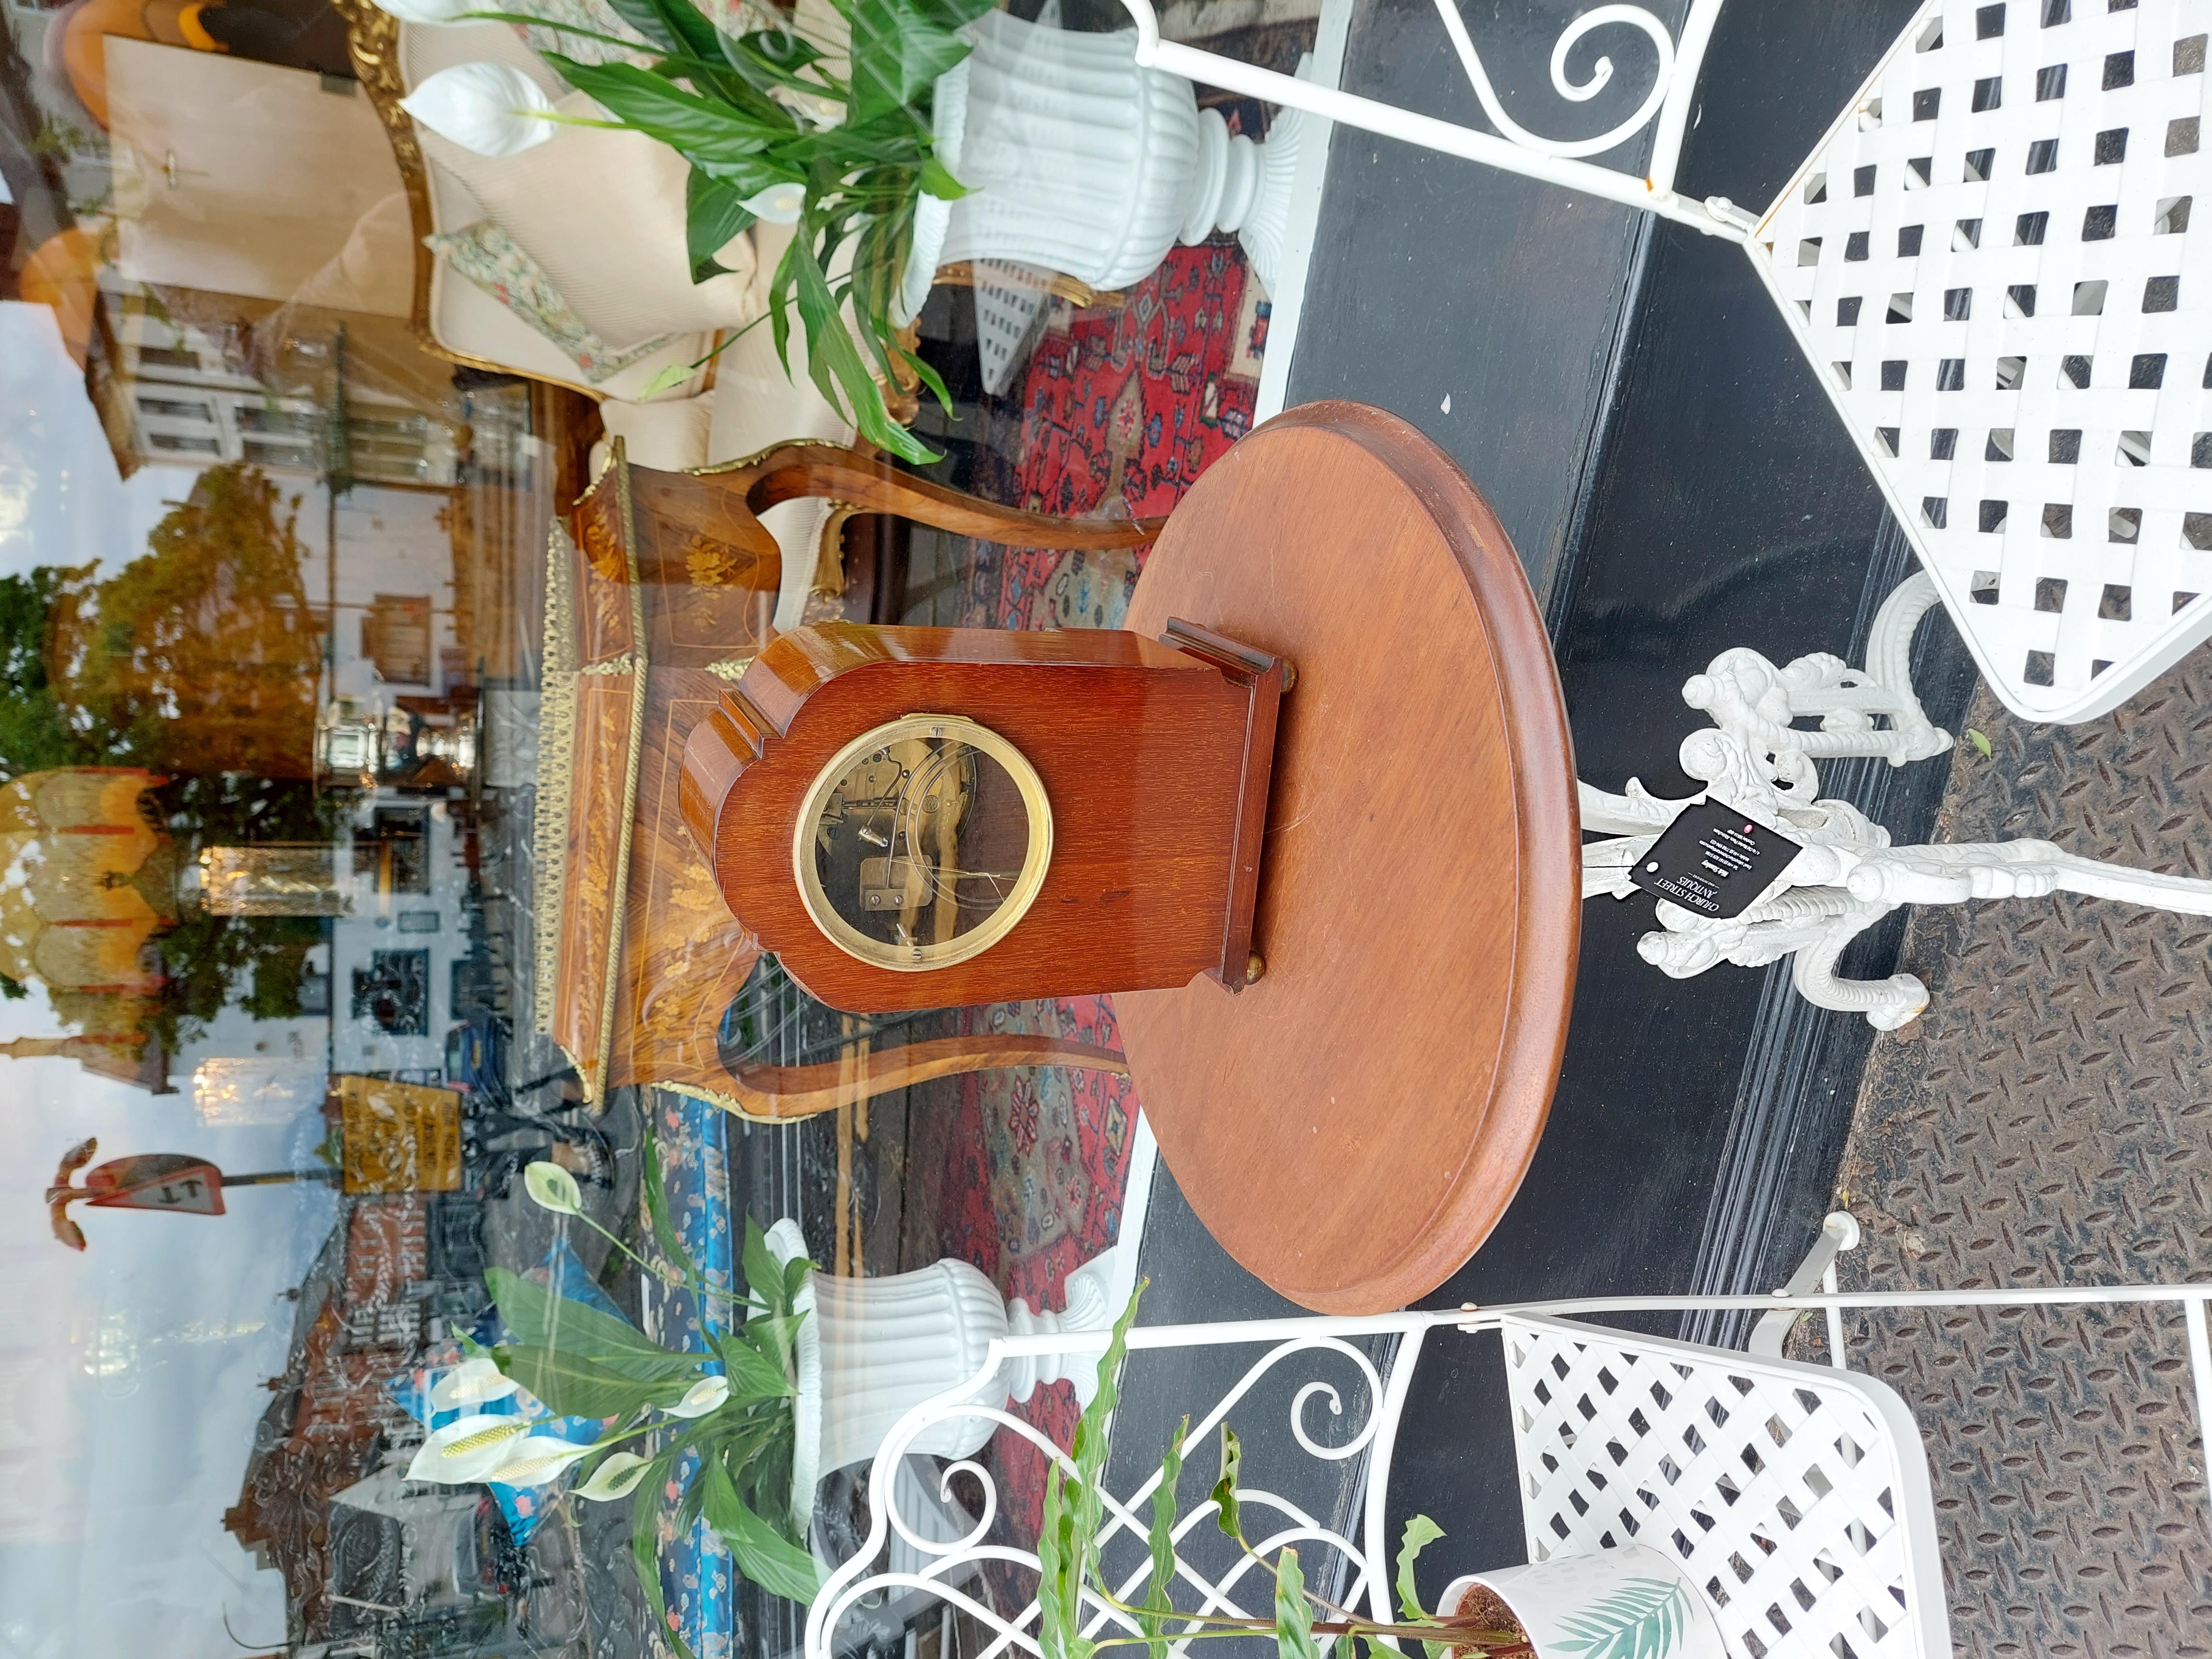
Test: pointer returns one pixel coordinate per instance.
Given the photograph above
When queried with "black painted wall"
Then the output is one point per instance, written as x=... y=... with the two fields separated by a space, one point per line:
x=1434 y=278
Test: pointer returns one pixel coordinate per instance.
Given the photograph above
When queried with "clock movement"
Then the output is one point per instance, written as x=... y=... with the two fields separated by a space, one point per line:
x=914 y=817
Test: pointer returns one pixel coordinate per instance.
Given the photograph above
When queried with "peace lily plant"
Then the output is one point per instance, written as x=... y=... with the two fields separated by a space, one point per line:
x=1304 y=1625
x=771 y=132
x=725 y=1411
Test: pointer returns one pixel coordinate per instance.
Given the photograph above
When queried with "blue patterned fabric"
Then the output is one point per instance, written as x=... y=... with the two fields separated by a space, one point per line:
x=694 y=1568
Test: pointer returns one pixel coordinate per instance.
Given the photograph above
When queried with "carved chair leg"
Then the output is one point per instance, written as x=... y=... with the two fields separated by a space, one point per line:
x=869 y=484
x=780 y=1094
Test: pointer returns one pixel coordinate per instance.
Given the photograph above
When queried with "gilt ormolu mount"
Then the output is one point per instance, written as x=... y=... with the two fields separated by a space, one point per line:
x=917 y=818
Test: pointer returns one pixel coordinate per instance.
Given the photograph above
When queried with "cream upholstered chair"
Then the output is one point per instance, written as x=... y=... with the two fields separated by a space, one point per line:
x=741 y=403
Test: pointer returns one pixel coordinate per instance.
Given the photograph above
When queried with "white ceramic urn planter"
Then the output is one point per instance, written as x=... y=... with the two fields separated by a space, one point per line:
x=1628 y=1601
x=1079 y=161
x=873 y=1349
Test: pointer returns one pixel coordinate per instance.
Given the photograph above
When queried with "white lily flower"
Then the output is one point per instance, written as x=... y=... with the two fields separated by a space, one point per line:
x=554 y=1187
x=434 y=14
x=467 y=1449
x=780 y=203
x=705 y=1395
x=537 y=1459
x=493 y=109
x=617 y=1477
x=472 y=1383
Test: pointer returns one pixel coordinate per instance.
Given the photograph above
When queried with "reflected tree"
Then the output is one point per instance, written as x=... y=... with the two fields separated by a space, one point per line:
x=198 y=660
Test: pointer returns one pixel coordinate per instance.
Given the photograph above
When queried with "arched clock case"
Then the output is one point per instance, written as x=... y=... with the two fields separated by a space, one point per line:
x=919 y=818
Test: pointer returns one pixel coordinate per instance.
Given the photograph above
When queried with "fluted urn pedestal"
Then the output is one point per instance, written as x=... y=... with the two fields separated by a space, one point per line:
x=875 y=1348
x=1079 y=161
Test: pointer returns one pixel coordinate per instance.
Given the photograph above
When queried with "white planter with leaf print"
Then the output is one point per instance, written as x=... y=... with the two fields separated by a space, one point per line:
x=1629 y=1602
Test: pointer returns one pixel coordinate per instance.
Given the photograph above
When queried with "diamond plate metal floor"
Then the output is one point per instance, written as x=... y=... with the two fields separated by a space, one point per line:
x=2048 y=1121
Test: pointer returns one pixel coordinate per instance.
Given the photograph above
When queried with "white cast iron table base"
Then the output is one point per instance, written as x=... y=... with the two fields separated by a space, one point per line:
x=1757 y=760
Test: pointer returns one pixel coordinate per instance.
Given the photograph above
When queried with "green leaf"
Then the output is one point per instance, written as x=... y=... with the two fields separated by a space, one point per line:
x=777 y=57
x=763 y=1554
x=693 y=1504
x=753 y=1372
x=1294 y=1636
x=835 y=362
x=780 y=289
x=936 y=181
x=693 y=30
x=686 y=26
x=707 y=132
x=715 y=78
x=951 y=14
x=929 y=378
x=1420 y=1533
x=654 y=1186
x=1642 y=1619
x=1060 y=1583
x=1981 y=742
x=540 y=1319
x=763 y=1272
x=713 y=212
x=575 y=1387
x=776 y=1339
x=569 y=30
x=671 y=375
x=645 y=17
x=1225 y=1489
x=898 y=51
x=1067 y=1541
x=1158 y=1602
x=645 y=1549
x=880 y=261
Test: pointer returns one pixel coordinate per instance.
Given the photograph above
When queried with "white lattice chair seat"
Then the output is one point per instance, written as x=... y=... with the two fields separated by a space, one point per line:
x=1796 y=1495
x=1989 y=260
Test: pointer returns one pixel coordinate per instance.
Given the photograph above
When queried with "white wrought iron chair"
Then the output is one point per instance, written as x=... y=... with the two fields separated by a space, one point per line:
x=1987 y=260
x=1796 y=1495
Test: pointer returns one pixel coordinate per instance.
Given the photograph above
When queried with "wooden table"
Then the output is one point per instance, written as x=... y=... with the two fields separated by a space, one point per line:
x=1352 y=1127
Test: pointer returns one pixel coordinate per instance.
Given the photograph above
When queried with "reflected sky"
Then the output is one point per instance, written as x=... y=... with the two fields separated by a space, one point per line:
x=130 y=1376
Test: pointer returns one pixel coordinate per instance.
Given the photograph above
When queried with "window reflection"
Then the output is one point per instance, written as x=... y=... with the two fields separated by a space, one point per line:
x=316 y=692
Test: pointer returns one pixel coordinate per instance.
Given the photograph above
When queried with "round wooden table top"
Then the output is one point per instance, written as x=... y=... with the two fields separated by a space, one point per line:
x=1351 y=1128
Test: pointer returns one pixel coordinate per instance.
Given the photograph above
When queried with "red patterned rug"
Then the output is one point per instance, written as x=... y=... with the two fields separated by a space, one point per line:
x=1122 y=407
x=1120 y=410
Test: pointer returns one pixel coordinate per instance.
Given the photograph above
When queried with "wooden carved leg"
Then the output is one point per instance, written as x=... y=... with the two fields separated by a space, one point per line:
x=867 y=484
x=782 y=1094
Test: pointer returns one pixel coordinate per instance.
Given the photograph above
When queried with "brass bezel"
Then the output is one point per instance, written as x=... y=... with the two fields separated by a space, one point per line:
x=1036 y=859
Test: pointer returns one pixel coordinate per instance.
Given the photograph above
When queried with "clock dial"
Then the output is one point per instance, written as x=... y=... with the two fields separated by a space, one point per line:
x=922 y=842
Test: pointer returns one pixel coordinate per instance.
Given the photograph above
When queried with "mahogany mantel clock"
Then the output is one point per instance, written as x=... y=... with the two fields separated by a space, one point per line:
x=917 y=817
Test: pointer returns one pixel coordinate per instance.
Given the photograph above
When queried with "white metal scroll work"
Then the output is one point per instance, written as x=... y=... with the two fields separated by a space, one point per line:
x=1665 y=107
x=1989 y=260
x=911 y=1557
x=1848 y=877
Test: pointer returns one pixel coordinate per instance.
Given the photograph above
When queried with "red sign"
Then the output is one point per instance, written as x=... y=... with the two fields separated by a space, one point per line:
x=156 y=1181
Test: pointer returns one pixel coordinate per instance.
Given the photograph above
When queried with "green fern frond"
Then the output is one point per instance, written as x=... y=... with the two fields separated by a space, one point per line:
x=1643 y=1620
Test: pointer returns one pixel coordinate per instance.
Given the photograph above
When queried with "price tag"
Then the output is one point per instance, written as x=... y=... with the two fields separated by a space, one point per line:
x=1713 y=861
